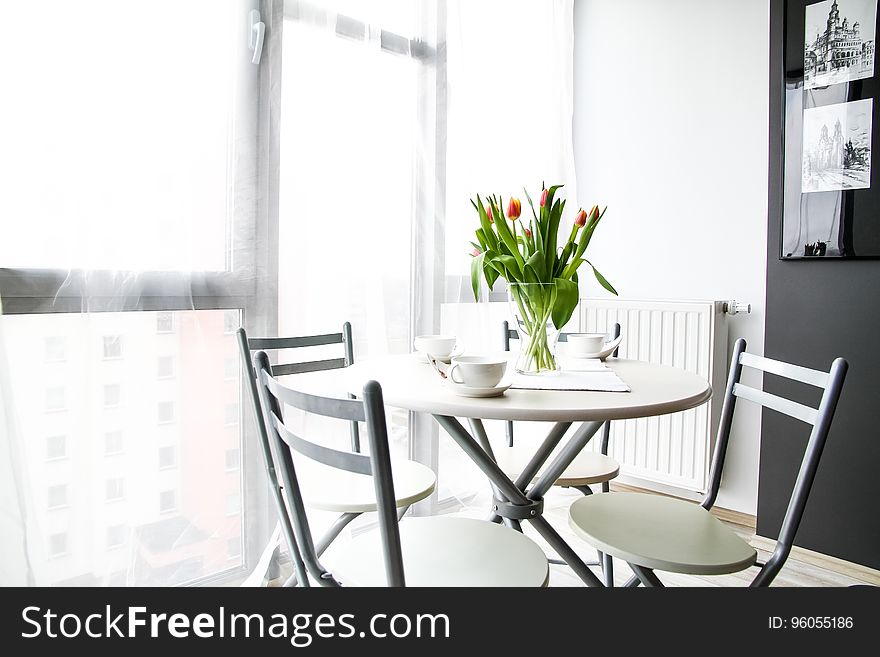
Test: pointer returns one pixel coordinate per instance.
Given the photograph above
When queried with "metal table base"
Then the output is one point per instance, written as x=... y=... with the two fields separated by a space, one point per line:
x=516 y=501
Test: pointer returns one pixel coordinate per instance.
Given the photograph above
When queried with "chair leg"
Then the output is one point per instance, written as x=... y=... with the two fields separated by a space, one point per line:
x=632 y=582
x=510 y=434
x=607 y=568
x=646 y=576
x=335 y=529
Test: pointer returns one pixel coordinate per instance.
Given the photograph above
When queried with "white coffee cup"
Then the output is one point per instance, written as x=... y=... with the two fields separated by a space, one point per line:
x=585 y=344
x=439 y=346
x=477 y=371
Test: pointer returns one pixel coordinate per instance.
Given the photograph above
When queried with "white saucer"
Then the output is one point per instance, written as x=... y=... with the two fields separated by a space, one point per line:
x=607 y=350
x=423 y=358
x=473 y=391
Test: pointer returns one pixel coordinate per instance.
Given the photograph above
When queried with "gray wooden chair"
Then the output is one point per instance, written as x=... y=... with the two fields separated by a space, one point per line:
x=651 y=532
x=334 y=490
x=587 y=469
x=432 y=551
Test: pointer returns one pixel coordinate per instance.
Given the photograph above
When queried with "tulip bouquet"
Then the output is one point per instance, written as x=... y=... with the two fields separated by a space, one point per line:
x=542 y=276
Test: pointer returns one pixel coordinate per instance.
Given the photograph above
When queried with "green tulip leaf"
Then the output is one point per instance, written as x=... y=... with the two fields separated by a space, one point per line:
x=602 y=280
x=566 y=302
x=476 y=273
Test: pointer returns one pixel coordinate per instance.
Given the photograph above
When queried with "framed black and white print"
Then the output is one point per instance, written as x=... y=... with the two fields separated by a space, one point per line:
x=831 y=196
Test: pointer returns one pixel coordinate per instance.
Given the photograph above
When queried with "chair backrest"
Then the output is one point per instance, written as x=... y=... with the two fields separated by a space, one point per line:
x=512 y=334
x=274 y=396
x=248 y=345
x=831 y=383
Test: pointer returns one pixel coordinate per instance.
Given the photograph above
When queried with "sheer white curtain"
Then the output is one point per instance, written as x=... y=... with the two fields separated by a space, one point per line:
x=159 y=190
x=128 y=245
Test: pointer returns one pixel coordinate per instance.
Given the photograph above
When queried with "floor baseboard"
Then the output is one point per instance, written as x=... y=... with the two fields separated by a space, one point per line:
x=834 y=564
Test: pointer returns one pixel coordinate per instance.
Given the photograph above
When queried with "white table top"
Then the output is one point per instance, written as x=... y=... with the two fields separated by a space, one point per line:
x=413 y=385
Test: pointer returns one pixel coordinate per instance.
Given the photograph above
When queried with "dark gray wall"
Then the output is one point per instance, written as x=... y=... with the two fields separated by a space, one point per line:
x=817 y=310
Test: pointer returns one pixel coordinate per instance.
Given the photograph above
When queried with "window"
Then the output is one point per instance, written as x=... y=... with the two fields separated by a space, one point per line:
x=165 y=367
x=74 y=176
x=165 y=412
x=233 y=547
x=115 y=536
x=55 y=349
x=233 y=458
x=230 y=369
x=164 y=322
x=231 y=321
x=114 y=489
x=113 y=443
x=57 y=496
x=56 y=398
x=233 y=504
x=167 y=501
x=58 y=544
x=112 y=346
x=112 y=395
x=230 y=413
x=167 y=457
x=56 y=447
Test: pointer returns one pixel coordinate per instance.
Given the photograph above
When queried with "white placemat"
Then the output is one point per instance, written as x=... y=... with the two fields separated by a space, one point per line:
x=591 y=376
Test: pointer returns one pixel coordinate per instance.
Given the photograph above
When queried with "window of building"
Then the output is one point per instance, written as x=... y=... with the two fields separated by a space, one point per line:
x=233 y=547
x=56 y=447
x=233 y=458
x=55 y=347
x=115 y=536
x=167 y=501
x=57 y=496
x=165 y=367
x=230 y=413
x=112 y=395
x=56 y=398
x=113 y=443
x=58 y=544
x=114 y=489
x=167 y=457
x=233 y=504
x=112 y=346
x=165 y=412
x=165 y=322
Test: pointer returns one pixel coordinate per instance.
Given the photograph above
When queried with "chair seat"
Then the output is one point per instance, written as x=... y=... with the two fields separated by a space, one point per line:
x=661 y=533
x=439 y=551
x=330 y=489
x=587 y=468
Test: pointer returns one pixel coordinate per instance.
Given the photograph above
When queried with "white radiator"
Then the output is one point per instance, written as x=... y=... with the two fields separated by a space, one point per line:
x=672 y=450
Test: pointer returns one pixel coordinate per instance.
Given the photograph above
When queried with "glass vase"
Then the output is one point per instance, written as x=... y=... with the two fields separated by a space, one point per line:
x=531 y=305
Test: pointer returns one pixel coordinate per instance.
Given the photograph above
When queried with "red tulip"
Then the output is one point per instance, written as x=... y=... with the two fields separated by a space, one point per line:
x=489 y=214
x=527 y=232
x=594 y=213
x=514 y=208
x=475 y=252
x=581 y=219
x=543 y=198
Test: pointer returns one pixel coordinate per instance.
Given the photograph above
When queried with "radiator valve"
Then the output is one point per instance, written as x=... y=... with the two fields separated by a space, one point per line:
x=734 y=307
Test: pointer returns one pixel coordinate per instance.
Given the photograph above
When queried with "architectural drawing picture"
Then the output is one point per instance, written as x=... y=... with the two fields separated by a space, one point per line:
x=839 y=42
x=837 y=147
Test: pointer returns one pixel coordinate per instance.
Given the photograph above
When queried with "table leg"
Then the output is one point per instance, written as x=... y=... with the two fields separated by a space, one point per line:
x=568 y=453
x=564 y=550
x=514 y=493
x=479 y=433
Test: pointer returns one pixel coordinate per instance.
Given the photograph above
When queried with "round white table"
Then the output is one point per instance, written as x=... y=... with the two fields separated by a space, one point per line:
x=409 y=382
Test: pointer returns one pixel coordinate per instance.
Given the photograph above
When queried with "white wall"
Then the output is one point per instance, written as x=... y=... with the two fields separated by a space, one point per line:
x=670 y=131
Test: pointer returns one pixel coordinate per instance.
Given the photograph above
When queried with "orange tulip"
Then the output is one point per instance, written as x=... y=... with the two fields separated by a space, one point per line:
x=489 y=214
x=581 y=219
x=514 y=208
